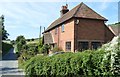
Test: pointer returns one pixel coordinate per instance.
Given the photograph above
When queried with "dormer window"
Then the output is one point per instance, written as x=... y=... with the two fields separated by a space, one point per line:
x=62 y=28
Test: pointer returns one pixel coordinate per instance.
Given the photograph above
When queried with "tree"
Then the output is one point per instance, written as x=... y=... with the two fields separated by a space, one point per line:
x=20 y=39
x=20 y=42
x=4 y=32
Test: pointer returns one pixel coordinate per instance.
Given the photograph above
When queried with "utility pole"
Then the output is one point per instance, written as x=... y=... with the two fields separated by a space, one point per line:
x=44 y=28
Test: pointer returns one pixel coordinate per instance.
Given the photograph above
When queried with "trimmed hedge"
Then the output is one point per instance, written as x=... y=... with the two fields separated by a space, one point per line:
x=69 y=64
x=5 y=48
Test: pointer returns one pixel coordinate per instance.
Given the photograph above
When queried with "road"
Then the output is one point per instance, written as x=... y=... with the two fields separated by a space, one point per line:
x=10 y=65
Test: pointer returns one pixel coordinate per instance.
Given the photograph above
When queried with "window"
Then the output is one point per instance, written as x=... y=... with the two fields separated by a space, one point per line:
x=56 y=30
x=68 y=46
x=62 y=28
x=83 y=46
x=96 y=45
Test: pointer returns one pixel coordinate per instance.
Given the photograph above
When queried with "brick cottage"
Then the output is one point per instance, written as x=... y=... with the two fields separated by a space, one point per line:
x=78 y=29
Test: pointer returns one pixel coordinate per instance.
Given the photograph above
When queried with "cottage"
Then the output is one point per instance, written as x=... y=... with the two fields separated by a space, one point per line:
x=78 y=29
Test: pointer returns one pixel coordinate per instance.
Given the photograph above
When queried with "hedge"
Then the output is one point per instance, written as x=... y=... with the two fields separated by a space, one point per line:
x=5 y=48
x=69 y=64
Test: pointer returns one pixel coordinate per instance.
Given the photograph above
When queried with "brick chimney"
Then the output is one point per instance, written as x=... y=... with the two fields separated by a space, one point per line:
x=64 y=10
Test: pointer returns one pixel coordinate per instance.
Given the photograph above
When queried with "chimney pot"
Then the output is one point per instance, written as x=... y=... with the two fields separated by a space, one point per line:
x=64 y=10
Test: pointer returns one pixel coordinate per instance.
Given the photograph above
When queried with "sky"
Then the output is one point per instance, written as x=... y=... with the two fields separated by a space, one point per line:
x=25 y=17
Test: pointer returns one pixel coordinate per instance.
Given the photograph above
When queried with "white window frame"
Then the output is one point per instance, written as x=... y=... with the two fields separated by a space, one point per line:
x=62 y=28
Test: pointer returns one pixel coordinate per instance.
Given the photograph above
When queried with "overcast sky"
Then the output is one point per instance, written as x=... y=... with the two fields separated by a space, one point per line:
x=25 y=17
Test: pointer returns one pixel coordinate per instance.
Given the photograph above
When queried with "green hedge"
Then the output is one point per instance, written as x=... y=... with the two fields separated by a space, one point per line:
x=5 y=48
x=69 y=64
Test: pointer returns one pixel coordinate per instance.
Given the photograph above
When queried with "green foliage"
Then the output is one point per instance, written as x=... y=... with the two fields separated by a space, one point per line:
x=115 y=58
x=33 y=48
x=4 y=32
x=69 y=64
x=23 y=58
x=12 y=42
x=20 y=39
x=111 y=58
x=20 y=42
x=44 y=49
x=27 y=51
x=32 y=39
x=115 y=24
x=20 y=45
x=5 y=48
x=56 y=49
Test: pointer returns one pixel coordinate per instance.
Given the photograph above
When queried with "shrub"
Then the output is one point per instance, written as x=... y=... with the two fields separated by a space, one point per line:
x=68 y=64
x=28 y=40
x=56 y=49
x=32 y=39
x=44 y=49
x=20 y=42
x=25 y=56
x=12 y=42
x=111 y=58
x=5 y=48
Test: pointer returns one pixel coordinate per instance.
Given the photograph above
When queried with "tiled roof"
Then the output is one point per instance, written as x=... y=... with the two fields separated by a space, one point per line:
x=48 y=38
x=115 y=29
x=80 y=11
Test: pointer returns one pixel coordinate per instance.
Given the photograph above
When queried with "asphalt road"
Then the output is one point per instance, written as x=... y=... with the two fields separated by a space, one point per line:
x=9 y=65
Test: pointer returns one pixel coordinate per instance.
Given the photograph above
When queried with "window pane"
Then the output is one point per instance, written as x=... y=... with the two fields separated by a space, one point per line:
x=68 y=46
x=95 y=45
x=62 y=28
x=83 y=46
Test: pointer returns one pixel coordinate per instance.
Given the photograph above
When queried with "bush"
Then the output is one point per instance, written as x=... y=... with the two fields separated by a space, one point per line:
x=112 y=54
x=12 y=42
x=5 y=48
x=56 y=49
x=32 y=39
x=69 y=64
x=19 y=46
x=44 y=49
x=25 y=56
x=20 y=42
x=28 y=40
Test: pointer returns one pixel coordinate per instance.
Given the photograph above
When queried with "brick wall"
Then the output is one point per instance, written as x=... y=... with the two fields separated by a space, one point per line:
x=87 y=29
x=62 y=37
x=92 y=30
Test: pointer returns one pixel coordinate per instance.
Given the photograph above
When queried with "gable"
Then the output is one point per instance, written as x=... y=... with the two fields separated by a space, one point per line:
x=81 y=11
x=85 y=12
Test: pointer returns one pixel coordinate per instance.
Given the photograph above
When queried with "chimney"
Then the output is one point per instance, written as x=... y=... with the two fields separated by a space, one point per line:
x=64 y=10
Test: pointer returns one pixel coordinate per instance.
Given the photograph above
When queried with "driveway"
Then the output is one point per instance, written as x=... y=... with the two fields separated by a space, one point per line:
x=10 y=65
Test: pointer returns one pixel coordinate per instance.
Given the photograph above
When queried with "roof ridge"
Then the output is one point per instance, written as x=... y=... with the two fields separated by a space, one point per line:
x=78 y=8
x=95 y=12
